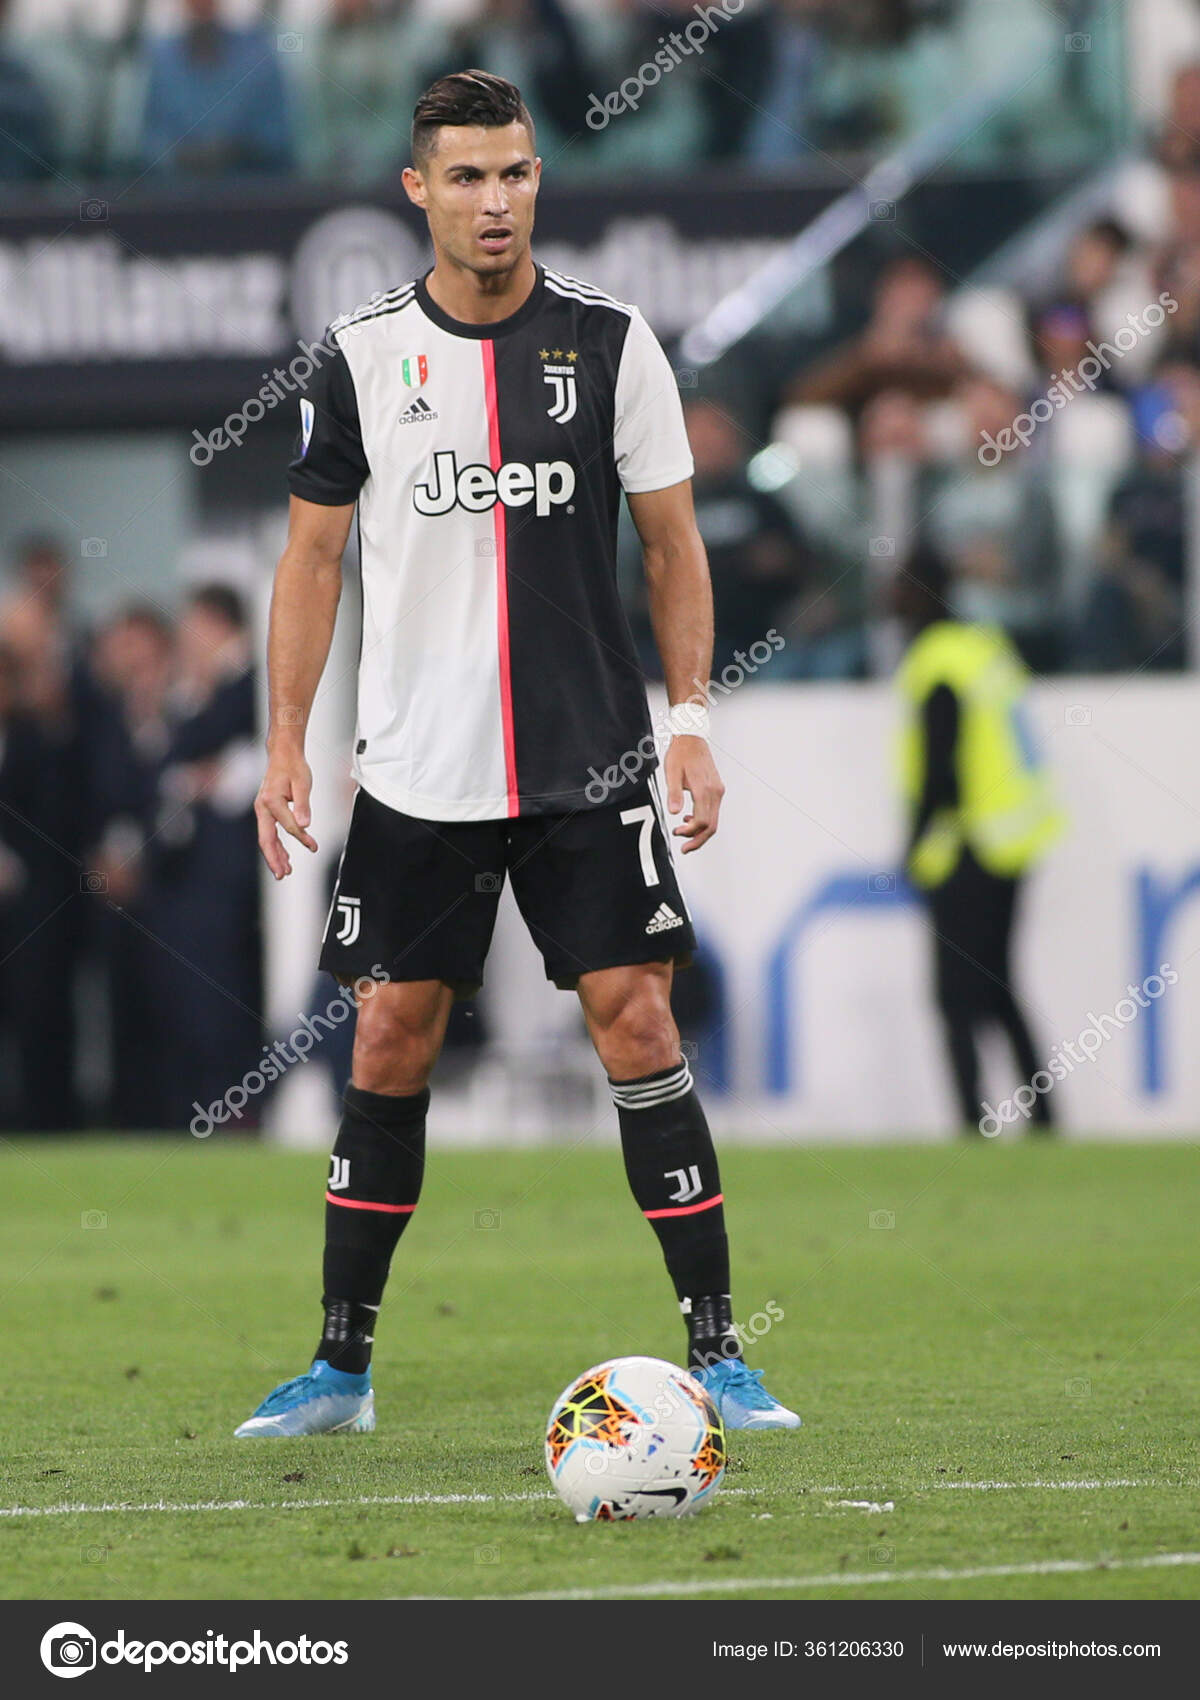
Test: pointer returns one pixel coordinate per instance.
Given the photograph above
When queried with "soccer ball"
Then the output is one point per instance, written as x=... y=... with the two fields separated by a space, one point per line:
x=635 y=1437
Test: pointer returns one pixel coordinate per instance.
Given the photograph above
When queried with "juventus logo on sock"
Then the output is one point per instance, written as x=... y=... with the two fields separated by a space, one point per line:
x=674 y=1176
x=689 y=1183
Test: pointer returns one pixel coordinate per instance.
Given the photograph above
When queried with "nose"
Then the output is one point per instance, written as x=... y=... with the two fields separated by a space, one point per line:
x=496 y=199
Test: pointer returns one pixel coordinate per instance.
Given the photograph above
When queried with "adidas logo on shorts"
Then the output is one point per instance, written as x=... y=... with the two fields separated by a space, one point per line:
x=663 y=919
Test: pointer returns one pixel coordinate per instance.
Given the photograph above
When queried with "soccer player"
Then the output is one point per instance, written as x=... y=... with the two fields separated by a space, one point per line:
x=485 y=420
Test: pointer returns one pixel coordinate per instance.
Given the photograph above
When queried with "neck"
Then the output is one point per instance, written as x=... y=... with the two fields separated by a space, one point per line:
x=480 y=300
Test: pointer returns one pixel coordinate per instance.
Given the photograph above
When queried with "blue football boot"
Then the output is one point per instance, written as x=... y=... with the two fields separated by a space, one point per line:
x=325 y=1401
x=741 y=1398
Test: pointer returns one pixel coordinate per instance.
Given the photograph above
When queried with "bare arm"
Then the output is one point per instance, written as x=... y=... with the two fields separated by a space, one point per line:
x=308 y=583
x=681 y=613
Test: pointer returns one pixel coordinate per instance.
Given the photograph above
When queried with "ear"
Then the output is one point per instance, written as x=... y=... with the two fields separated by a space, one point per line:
x=414 y=185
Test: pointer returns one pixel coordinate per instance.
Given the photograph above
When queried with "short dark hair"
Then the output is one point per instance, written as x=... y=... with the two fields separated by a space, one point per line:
x=223 y=601
x=144 y=615
x=1110 y=230
x=38 y=543
x=466 y=97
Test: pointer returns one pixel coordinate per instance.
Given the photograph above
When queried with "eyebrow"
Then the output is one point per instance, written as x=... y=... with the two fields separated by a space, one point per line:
x=470 y=165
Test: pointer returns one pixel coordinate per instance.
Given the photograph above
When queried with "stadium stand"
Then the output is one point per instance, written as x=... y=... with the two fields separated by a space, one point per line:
x=854 y=418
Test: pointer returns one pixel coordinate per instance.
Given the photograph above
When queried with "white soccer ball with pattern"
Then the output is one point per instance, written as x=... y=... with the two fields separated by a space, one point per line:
x=635 y=1437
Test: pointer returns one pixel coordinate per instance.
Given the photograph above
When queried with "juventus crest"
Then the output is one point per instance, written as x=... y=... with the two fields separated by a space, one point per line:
x=561 y=379
x=348 y=913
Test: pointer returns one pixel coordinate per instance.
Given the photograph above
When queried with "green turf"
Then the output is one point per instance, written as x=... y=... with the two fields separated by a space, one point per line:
x=1032 y=1316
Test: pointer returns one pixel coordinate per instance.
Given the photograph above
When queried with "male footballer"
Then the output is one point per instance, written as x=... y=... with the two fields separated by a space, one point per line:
x=485 y=420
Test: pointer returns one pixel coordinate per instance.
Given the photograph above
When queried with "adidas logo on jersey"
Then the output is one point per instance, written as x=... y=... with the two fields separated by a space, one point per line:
x=663 y=919
x=420 y=413
x=547 y=484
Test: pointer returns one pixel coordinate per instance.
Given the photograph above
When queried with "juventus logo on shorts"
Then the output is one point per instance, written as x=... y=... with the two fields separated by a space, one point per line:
x=348 y=909
x=339 y=1173
x=689 y=1183
x=562 y=382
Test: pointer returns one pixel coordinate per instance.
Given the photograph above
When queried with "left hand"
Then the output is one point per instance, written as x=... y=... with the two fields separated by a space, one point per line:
x=689 y=766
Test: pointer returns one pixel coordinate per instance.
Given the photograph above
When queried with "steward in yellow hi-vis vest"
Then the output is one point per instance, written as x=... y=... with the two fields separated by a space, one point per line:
x=1005 y=810
x=981 y=813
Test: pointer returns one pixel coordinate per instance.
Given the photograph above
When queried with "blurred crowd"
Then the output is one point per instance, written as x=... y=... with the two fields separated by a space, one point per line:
x=128 y=876
x=1042 y=435
x=215 y=88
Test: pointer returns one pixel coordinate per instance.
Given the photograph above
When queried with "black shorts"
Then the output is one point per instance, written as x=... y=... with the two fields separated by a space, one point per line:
x=418 y=898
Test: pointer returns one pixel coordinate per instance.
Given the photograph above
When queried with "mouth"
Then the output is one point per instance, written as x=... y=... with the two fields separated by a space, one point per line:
x=496 y=238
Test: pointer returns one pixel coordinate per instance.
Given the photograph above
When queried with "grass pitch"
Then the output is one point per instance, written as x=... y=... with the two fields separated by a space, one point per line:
x=995 y=1348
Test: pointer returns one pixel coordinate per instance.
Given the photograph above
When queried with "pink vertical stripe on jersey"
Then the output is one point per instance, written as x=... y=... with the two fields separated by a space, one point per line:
x=500 y=532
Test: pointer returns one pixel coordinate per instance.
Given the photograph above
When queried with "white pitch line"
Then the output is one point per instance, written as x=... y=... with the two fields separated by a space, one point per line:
x=272 y=1504
x=863 y=1579
x=162 y=1505
x=849 y=1495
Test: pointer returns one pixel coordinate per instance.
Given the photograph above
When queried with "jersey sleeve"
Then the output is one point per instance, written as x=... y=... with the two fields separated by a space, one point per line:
x=330 y=465
x=649 y=437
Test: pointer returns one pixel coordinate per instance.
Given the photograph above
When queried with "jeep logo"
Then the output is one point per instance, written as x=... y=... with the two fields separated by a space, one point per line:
x=547 y=484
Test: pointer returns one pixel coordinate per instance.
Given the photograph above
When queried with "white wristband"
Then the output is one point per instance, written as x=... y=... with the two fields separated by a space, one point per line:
x=689 y=720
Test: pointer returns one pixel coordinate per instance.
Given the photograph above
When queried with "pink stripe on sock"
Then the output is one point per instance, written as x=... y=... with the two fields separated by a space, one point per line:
x=685 y=1209
x=365 y=1204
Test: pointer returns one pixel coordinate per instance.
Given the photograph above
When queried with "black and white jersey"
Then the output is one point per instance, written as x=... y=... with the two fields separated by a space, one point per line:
x=497 y=667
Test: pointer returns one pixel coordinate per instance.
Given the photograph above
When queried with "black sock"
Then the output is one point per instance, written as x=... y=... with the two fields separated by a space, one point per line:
x=672 y=1170
x=374 y=1183
x=348 y=1335
x=712 y=1338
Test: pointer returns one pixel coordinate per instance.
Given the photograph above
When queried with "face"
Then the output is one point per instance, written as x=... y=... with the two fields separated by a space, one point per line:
x=45 y=574
x=479 y=189
x=1185 y=100
x=892 y=423
x=908 y=293
x=148 y=657
x=133 y=656
x=1183 y=383
x=1062 y=339
x=1092 y=263
x=988 y=406
x=200 y=644
x=715 y=440
x=1185 y=204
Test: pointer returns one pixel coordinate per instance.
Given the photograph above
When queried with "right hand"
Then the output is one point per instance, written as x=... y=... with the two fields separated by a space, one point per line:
x=283 y=801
